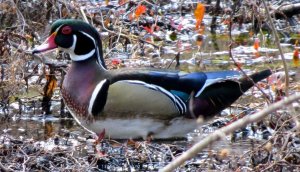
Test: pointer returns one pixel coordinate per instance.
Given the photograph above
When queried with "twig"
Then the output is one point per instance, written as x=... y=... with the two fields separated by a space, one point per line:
x=20 y=16
x=83 y=15
x=220 y=133
x=26 y=159
x=130 y=37
x=171 y=153
x=234 y=61
x=273 y=138
x=4 y=168
x=279 y=47
x=39 y=58
x=177 y=56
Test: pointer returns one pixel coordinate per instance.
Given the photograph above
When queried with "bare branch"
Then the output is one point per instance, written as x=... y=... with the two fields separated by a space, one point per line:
x=279 y=47
x=218 y=134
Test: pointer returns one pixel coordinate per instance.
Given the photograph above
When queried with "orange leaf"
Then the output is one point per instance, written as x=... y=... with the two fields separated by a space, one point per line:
x=107 y=22
x=199 y=39
x=140 y=9
x=51 y=85
x=199 y=14
x=256 y=44
x=197 y=24
x=201 y=29
x=296 y=58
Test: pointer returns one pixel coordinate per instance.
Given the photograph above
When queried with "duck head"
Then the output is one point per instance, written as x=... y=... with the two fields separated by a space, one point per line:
x=79 y=39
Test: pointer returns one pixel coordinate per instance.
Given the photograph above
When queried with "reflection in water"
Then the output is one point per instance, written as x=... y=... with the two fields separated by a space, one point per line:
x=38 y=127
x=48 y=129
x=44 y=128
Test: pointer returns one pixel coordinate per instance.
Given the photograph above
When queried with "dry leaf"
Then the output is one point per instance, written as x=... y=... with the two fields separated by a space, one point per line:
x=140 y=9
x=256 y=44
x=199 y=14
x=296 y=58
x=296 y=55
x=51 y=85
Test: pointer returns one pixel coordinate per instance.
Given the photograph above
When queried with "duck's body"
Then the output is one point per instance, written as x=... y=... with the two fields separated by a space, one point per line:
x=129 y=111
x=131 y=103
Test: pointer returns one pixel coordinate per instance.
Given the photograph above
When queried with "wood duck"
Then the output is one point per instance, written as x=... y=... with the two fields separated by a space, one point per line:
x=132 y=103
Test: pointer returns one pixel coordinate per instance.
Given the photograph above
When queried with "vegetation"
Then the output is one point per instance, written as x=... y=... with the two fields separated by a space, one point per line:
x=258 y=133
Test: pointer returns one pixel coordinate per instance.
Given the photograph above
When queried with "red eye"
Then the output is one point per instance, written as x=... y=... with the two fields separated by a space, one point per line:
x=66 y=30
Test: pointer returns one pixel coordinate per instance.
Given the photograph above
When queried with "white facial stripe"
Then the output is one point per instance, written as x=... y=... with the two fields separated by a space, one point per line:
x=58 y=28
x=74 y=56
x=89 y=37
x=74 y=43
x=99 y=60
x=94 y=95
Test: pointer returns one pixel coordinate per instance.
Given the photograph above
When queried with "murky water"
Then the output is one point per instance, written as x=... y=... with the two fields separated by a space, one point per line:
x=46 y=127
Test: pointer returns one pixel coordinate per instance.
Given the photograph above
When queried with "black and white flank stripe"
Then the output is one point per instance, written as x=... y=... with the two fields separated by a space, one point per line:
x=178 y=102
x=99 y=96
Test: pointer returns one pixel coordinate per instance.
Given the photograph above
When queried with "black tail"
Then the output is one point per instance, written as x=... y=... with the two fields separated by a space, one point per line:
x=247 y=83
x=221 y=95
